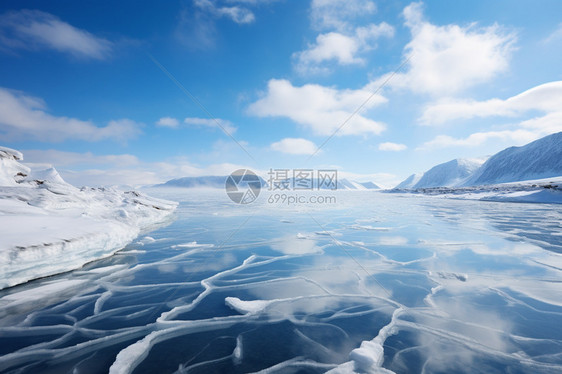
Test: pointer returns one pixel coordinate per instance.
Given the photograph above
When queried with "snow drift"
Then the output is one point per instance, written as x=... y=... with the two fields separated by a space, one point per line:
x=48 y=226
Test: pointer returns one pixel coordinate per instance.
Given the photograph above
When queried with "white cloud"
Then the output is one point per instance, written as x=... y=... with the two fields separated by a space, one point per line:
x=545 y=98
x=144 y=173
x=330 y=46
x=196 y=27
x=294 y=146
x=238 y=14
x=518 y=136
x=168 y=122
x=340 y=48
x=33 y=29
x=556 y=35
x=198 y=122
x=64 y=158
x=388 y=146
x=90 y=169
x=451 y=58
x=109 y=177
x=212 y=123
x=337 y=14
x=25 y=117
x=320 y=109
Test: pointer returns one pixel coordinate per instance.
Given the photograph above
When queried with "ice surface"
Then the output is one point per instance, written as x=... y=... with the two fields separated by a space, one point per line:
x=449 y=285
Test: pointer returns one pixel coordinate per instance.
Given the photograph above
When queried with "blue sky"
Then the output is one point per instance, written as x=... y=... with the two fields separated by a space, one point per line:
x=84 y=85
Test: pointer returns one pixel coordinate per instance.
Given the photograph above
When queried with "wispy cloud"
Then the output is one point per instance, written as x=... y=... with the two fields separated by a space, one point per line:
x=211 y=123
x=236 y=13
x=168 y=122
x=64 y=158
x=555 y=36
x=544 y=99
x=196 y=26
x=318 y=108
x=26 y=117
x=388 y=146
x=36 y=30
x=337 y=14
x=519 y=136
x=294 y=146
x=174 y=123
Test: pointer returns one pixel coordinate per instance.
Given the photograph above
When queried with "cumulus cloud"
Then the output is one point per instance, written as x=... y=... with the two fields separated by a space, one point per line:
x=168 y=122
x=26 y=117
x=388 y=146
x=35 y=30
x=340 y=48
x=294 y=146
x=448 y=59
x=318 y=108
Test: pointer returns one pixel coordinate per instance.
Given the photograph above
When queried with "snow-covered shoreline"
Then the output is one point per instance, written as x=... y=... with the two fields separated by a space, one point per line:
x=546 y=191
x=48 y=226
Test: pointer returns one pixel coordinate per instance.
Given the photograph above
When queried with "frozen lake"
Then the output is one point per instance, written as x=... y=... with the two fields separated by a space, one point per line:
x=421 y=284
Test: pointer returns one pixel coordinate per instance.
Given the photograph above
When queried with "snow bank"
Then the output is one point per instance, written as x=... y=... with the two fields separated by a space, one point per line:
x=48 y=226
x=11 y=171
x=546 y=191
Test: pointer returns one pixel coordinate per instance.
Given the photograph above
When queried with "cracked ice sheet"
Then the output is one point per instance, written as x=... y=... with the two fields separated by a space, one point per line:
x=265 y=302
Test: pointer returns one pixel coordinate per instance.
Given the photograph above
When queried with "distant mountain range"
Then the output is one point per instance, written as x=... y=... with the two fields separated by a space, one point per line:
x=219 y=182
x=536 y=160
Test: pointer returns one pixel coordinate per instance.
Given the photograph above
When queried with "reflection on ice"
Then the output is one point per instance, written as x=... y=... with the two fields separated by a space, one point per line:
x=448 y=286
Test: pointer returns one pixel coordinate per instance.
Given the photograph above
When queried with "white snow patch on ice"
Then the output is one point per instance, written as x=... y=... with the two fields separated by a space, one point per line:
x=247 y=307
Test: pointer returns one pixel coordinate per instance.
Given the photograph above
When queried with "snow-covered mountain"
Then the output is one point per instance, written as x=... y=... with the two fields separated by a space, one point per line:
x=370 y=185
x=536 y=160
x=346 y=184
x=539 y=159
x=448 y=174
x=48 y=226
x=218 y=182
x=210 y=181
x=410 y=182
